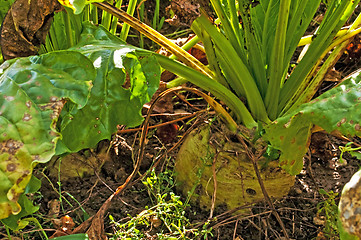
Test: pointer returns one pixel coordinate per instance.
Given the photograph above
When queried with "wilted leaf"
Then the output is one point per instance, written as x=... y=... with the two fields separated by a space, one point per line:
x=185 y=12
x=127 y=77
x=14 y=221
x=32 y=93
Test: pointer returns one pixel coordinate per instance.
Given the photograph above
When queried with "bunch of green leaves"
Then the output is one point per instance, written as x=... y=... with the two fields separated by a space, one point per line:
x=158 y=184
x=4 y=8
x=253 y=58
x=168 y=206
x=64 y=101
x=249 y=64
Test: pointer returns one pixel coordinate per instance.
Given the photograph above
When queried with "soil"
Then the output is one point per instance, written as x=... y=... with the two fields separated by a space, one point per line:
x=298 y=210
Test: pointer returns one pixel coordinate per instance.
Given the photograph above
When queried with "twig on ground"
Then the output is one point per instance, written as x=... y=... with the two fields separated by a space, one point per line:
x=214 y=185
x=235 y=230
x=260 y=181
x=237 y=218
x=104 y=183
x=186 y=102
x=122 y=131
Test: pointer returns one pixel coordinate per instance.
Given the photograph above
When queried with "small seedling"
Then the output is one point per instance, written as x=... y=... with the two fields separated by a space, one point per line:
x=329 y=211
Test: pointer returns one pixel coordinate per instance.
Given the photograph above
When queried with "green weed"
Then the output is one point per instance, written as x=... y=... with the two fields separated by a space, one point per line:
x=166 y=219
x=329 y=211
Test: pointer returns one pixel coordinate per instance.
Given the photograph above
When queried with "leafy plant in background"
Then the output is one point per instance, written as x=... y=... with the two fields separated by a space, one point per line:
x=67 y=25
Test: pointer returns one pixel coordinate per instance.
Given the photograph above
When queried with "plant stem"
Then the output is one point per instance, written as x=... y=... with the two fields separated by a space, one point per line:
x=217 y=89
x=126 y=27
x=227 y=24
x=107 y=19
x=68 y=29
x=235 y=70
x=176 y=82
x=114 y=25
x=305 y=95
x=156 y=15
x=94 y=14
x=276 y=64
x=335 y=18
x=309 y=38
x=86 y=13
x=188 y=45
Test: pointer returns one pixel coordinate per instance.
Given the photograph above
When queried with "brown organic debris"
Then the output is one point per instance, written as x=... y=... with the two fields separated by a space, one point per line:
x=25 y=27
x=64 y=226
x=185 y=12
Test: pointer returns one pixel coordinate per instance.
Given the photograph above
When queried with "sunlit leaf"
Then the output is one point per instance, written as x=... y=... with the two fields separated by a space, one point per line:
x=33 y=91
x=126 y=78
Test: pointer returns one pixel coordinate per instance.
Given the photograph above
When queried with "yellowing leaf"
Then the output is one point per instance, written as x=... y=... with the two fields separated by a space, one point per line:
x=77 y=5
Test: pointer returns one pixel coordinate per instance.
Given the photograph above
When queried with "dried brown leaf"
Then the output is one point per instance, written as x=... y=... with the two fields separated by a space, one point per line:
x=25 y=27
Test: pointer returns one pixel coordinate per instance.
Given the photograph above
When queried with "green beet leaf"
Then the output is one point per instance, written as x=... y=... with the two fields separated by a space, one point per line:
x=126 y=78
x=290 y=135
x=32 y=93
x=335 y=110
